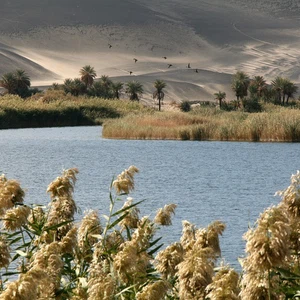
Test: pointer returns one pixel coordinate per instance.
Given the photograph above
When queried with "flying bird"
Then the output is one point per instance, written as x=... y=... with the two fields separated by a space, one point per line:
x=169 y=66
x=189 y=66
x=164 y=57
x=135 y=60
x=109 y=46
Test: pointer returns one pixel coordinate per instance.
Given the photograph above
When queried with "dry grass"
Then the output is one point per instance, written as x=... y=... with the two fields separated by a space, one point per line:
x=275 y=124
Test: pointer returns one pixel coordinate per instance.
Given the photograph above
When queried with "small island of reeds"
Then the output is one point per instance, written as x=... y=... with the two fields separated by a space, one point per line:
x=273 y=124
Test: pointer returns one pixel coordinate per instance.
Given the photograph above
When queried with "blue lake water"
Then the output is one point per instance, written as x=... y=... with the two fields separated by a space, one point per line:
x=228 y=181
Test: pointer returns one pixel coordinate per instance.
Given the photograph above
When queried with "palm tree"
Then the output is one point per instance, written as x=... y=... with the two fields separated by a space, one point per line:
x=87 y=74
x=220 y=96
x=75 y=87
x=258 y=86
x=22 y=79
x=159 y=93
x=277 y=85
x=134 y=89
x=8 y=81
x=290 y=90
x=22 y=82
x=116 y=88
x=106 y=83
x=240 y=84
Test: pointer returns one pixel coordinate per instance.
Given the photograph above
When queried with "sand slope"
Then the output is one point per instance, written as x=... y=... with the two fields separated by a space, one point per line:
x=52 y=40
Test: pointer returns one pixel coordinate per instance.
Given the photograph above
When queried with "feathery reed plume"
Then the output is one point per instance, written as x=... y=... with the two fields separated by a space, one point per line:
x=132 y=260
x=37 y=216
x=63 y=186
x=111 y=243
x=209 y=237
x=195 y=272
x=89 y=227
x=48 y=258
x=153 y=291
x=291 y=196
x=163 y=216
x=4 y=253
x=130 y=264
x=30 y=285
x=62 y=206
x=125 y=181
x=10 y=194
x=15 y=217
x=188 y=236
x=224 y=286
x=69 y=241
x=143 y=234
x=101 y=285
x=267 y=247
x=132 y=215
x=167 y=260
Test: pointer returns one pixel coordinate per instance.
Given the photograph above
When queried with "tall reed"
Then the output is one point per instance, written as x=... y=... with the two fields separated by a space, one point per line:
x=46 y=255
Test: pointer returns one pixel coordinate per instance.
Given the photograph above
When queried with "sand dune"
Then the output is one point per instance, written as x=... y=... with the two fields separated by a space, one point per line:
x=53 y=41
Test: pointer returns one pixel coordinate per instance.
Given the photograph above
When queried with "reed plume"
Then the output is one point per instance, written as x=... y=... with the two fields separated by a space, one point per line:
x=166 y=260
x=89 y=227
x=154 y=291
x=16 y=217
x=267 y=247
x=10 y=194
x=62 y=206
x=163 y=216
x=224 y=286
x=125 y=181
x=4 y=253
x=131 y=218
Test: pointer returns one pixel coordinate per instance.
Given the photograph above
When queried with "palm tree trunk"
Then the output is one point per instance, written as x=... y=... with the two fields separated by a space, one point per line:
x=159 y=104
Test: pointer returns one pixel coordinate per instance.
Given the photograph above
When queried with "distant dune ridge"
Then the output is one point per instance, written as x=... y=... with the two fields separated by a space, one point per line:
x=52 y=40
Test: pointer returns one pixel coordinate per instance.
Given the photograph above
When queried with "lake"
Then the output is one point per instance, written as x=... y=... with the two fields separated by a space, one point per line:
x=228 y=181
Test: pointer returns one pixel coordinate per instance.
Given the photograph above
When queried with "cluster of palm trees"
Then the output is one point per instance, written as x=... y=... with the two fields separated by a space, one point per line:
x=279 y=91
x=106 y=88
x=17 y=82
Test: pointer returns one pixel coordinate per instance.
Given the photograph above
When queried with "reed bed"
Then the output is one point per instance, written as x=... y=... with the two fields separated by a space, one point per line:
x=54 y=108
x=274 y=125
x=45 y=254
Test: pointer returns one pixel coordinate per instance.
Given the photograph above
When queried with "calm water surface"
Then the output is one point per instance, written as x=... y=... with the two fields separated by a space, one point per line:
x=228 y=181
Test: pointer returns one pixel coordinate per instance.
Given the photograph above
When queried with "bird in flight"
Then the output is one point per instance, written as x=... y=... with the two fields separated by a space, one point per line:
x=135 y=60
x=189 y=66
x=164 y=57
x=109 y=46
x=169 y=66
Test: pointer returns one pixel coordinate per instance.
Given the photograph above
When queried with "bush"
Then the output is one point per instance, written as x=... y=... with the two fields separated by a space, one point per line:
x=185 y=106
x=251 y=105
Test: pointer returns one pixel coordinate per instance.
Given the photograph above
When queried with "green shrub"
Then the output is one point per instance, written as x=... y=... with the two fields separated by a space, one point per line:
x=185 y=106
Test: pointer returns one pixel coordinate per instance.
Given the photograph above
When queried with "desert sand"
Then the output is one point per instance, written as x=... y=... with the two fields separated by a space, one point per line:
x=52 y=40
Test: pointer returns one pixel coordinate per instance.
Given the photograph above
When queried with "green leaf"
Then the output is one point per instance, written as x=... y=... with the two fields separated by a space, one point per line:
x=57 y=225
x=155 y=249
x=15 y=240
x=117 y=221
x=126 y=208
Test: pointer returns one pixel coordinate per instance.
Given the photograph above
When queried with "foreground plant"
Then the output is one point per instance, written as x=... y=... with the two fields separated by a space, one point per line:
x=44 y=254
